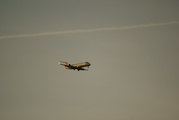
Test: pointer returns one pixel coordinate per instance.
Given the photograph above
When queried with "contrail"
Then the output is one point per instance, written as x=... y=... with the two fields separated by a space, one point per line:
x=90 y=30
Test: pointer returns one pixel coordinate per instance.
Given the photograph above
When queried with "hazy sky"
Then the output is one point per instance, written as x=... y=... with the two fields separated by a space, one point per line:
x=132 y=45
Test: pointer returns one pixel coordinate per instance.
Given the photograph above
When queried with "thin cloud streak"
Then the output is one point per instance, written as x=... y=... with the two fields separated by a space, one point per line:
x=89 y=30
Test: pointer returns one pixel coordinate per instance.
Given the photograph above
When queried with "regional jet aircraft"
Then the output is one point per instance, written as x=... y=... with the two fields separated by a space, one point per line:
x=78 y=66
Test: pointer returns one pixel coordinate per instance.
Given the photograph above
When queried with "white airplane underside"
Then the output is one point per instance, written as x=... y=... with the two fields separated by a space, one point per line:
x=78 y=66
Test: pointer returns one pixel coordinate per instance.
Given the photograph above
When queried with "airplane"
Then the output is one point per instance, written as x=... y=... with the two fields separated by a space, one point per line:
x=78 y=66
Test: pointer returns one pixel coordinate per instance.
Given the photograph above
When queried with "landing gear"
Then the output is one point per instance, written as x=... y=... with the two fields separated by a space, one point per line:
x=87 y=68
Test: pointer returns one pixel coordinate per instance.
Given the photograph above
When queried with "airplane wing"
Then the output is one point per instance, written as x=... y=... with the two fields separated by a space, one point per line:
x=81 y=68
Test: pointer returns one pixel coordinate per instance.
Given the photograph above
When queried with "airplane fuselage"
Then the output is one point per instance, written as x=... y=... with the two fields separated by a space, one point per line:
x=78 y=66
x=83 y=64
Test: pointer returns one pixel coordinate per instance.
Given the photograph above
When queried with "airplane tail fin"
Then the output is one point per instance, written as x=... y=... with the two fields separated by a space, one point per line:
x=64 y=63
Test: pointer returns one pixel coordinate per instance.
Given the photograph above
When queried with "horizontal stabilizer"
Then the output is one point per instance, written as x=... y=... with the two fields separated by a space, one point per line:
x=62 y=63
